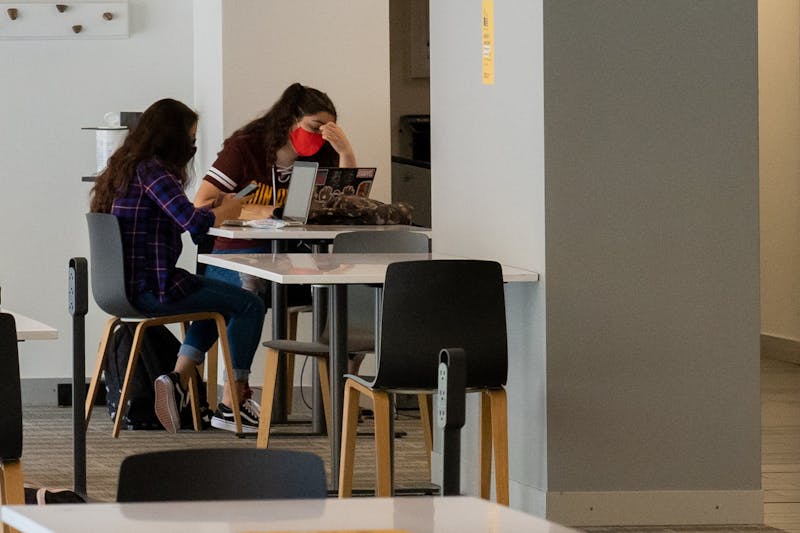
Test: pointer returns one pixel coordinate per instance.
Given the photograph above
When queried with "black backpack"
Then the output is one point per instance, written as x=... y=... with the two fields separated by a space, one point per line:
x=157 y=357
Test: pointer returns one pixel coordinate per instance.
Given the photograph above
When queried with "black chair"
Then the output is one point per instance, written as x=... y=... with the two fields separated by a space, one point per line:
x=428 y=306
x=108 y=288
x=221 y=474
x=361 y=321
x=11 y=478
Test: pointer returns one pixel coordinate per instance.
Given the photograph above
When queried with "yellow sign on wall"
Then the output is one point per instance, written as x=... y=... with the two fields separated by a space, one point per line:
x=487 y=34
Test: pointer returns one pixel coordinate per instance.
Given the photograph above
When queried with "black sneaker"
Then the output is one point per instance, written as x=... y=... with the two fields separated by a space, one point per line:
x=170 y=399
x=249 y=411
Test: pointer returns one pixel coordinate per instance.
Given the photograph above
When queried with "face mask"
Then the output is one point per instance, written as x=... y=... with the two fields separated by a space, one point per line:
x=306 y=143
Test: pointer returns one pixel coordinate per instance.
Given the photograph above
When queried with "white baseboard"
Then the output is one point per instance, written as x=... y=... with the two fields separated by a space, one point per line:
x=656 y=507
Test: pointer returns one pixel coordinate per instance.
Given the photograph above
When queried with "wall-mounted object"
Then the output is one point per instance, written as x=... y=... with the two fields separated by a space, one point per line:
x=12 y=13
x=93 y=20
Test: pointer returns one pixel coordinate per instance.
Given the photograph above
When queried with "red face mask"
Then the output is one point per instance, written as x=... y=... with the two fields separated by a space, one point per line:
x=306 y=143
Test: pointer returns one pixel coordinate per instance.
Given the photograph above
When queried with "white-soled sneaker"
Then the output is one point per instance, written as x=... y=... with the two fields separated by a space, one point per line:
x=249 y=411
x=170 y=399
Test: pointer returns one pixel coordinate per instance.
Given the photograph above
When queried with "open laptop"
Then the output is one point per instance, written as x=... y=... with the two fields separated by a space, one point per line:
x=298 y=196
x=343 y=181
x=298 y=200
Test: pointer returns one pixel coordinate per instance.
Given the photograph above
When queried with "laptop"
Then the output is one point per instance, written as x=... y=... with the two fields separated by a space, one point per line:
x=298 y=200
x=298 y=196
x=342 y=181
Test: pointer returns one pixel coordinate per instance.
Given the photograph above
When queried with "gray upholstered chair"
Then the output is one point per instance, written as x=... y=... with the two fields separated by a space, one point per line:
x=108 y=288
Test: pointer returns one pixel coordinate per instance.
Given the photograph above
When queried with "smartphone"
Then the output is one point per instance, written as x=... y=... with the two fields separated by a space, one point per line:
x=249 y=189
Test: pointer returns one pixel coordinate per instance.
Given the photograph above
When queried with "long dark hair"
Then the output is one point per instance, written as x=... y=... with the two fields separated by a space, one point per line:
x=296 y=102
x=162 y=132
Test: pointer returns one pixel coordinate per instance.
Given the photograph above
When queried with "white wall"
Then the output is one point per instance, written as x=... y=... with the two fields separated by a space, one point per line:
x=49 y=90
x=779 y=118
x=487 y=174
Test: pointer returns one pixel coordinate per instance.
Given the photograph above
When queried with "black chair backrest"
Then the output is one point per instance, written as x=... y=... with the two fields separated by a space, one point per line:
x=10 y=391
x=221 y=474
x=430 y=305
x=107 y=267
x=370 y=242
x=361 y=299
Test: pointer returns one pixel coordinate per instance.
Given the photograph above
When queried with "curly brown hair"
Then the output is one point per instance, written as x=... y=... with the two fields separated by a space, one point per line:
x=162 y=132
x=296 y=102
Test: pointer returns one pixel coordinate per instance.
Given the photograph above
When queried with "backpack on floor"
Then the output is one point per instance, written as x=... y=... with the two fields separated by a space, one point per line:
x=157 y=357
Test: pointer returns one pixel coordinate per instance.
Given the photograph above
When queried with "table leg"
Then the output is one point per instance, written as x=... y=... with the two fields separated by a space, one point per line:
x=319 y=298
x=279 y=332
x=338 y=367
x=320 y=316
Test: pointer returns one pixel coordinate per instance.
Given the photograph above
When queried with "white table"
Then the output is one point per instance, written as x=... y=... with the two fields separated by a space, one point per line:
x=338 y=271
x=30 y=329
x=409 y=514
x=318 y=236
x=309 y=232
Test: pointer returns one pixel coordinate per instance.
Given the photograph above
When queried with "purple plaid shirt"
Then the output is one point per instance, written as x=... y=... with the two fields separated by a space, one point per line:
x=152 y=213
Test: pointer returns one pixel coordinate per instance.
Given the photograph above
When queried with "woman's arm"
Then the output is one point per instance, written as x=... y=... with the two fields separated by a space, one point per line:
x=335 y=135
x=207 y=195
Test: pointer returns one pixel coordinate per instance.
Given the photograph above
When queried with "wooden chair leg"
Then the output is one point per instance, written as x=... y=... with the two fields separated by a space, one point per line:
x=11 y=482
x=194 y=397
x=426 y=419
x=94 y=384
x=499 y=409
x=325 y=389
x=12 y=490
x=349 y=427
x=383 y=457
x=222 y=332
x=267 y=397
x=136 y=346
x=485 y=447
x=194 y=401
x=212 y=369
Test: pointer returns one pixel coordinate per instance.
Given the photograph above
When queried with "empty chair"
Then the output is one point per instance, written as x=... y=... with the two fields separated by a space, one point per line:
x=428 y=306
x=221 y=474
x=361 y=320
x=11 y=480
x=108 y=289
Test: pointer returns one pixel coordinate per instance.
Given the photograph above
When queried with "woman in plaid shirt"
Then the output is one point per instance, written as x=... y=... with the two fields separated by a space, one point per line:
x=143 y=186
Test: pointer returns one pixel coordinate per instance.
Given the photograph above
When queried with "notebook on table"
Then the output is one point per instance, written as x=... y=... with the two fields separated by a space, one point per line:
x=298 y=200
x=342 y=181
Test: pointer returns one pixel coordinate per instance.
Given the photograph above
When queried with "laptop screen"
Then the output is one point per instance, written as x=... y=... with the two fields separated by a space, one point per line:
x=301 y=188
x=342 y=181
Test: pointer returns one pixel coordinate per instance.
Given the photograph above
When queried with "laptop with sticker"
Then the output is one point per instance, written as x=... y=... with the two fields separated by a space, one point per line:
x=337 y=181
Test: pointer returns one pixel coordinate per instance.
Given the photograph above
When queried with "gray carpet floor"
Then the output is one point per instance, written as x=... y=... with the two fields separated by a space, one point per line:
x=48 y=456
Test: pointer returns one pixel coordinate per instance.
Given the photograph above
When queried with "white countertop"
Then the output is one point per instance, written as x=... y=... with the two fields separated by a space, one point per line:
x=332 y=268
x=408 y=514
x=30 y=329
x=309 y=232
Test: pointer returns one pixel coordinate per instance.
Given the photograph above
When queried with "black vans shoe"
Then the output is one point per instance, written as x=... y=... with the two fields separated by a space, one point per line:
x=249 y=410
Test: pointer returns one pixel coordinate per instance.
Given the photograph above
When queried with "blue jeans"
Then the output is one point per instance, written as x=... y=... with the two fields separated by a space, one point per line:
x=243 y=312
